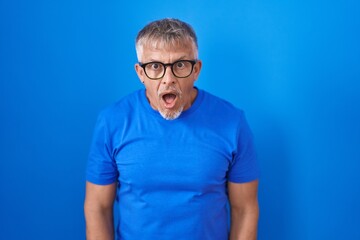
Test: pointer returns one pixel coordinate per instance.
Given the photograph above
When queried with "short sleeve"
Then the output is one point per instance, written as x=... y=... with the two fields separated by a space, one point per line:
x=101 y=167
x=244 y=167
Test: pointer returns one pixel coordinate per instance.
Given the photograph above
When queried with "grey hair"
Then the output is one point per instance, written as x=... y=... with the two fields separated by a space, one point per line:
x=167 y=32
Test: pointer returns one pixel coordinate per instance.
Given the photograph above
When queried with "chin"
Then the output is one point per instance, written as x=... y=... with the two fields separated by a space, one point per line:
x=171 y=115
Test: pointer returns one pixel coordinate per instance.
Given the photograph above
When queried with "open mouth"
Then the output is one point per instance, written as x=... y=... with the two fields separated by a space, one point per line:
x=169 y=100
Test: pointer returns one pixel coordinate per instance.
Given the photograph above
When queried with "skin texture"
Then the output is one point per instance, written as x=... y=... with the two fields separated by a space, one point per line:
x=182 y=87
x=244 y=210
x=98 y=208
x=99 y=199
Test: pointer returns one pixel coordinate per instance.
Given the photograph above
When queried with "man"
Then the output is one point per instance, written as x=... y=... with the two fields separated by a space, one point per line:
x=173 y=154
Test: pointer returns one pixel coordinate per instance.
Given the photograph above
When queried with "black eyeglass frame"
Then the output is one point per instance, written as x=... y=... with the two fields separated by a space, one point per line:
x=165 y=65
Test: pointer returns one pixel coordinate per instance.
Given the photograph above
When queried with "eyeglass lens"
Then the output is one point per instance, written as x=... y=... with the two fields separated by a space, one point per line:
x=180 y=69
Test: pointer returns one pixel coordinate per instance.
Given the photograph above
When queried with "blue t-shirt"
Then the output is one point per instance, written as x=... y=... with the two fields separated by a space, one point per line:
x=172 y=174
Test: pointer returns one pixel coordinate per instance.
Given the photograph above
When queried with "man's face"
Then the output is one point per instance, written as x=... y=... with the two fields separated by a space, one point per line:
x=169 y=95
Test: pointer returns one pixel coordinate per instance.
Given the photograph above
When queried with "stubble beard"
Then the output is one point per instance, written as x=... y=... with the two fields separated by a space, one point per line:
x=171 y=115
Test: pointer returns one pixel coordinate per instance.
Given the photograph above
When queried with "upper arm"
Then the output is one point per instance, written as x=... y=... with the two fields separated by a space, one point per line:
x=100 y=196
x=243 y=195
x=244 y=166
x=98 y=209
x=101 y=166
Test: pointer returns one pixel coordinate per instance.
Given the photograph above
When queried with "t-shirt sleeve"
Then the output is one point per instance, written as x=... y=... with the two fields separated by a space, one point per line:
x=244 y=167
x=101 y=168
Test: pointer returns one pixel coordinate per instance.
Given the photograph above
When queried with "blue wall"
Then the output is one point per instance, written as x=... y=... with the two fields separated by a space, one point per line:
x=294 y=66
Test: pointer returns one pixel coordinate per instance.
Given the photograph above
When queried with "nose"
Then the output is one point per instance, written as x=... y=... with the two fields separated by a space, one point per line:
x=169 y=77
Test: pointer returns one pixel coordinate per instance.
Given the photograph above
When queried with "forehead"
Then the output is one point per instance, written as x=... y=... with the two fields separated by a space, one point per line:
x=159 y=51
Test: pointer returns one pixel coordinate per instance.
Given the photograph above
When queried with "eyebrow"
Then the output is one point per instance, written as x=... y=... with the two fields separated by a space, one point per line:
x=180 y=58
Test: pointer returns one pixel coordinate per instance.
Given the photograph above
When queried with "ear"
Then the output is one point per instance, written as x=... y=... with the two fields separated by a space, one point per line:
x=197 y=69
x=140 y=72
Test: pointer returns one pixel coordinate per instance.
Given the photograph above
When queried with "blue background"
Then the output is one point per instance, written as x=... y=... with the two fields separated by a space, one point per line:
x=294 y=66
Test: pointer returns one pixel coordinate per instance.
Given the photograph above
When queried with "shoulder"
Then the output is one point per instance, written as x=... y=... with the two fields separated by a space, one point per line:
x=217 y=105
x=123 y=106
x=121 y=110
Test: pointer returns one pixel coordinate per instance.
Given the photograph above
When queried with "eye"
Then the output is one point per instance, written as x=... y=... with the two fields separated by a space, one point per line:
x=155 y=66
x=180 y=64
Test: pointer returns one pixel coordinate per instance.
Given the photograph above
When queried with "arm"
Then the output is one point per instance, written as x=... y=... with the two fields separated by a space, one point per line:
x=244 y=210
x=98 y=210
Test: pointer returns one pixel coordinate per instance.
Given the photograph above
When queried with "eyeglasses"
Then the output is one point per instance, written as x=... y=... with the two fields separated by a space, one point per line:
x=157 y=70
